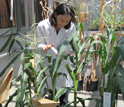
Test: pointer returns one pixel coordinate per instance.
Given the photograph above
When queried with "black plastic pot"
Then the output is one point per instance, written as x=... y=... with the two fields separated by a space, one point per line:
x=80 y=85
x=92 y=85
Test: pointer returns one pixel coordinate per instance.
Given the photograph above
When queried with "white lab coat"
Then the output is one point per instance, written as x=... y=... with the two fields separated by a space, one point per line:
x=48 y=35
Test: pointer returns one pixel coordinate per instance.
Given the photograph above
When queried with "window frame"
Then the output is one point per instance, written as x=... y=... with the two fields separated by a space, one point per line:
x=18 y=27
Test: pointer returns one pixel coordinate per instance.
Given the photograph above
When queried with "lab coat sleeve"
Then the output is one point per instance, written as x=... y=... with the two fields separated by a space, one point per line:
x=41 y=33
x=40 y=36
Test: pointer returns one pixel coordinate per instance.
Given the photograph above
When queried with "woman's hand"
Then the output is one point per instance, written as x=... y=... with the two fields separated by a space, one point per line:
x=46 y=47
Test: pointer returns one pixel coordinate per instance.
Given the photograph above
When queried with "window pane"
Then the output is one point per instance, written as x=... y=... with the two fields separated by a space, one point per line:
x=5 y=14
x=24 y=14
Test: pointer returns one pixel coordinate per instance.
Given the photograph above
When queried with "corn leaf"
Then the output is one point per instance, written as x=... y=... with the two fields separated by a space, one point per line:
x=41 y=84
x=40 y=74
x=10 y=63
x=60 y=92
x=5 y=32
x=6 y=43
x=120 y=82
x=22 y=90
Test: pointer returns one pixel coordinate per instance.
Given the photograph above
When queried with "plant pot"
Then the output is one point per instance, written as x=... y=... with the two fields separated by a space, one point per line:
x=42 y=102
x=92 y=85
x=119 y=91
x=80 y=85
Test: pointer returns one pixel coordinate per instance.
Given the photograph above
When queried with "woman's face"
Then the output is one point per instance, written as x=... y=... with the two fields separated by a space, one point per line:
x=62 y=20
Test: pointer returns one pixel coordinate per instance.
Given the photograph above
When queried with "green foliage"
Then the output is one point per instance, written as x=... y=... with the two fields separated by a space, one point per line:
x=29 y=76
x=79 y=48
x=95 y=24
x=10 y=41
x=112 y=16
x=10 y=63
x=111 y=54
x=53 y=71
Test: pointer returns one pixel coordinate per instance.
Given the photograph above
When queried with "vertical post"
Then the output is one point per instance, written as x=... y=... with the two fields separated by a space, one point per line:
x=26 y=14
x=11 y=15
x=33 y=16
x=17 y=15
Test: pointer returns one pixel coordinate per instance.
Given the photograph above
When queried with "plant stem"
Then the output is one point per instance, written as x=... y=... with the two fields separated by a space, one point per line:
x=30 y=92
x=75 y=91
x=75 y=98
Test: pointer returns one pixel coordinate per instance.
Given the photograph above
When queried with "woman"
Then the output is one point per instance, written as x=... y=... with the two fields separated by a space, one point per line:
x=54 y=31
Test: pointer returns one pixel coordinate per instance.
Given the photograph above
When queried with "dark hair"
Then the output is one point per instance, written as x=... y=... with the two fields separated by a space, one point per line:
x=62 y=9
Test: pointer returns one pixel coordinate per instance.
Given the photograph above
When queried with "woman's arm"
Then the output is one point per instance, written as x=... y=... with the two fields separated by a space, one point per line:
x=42 y=39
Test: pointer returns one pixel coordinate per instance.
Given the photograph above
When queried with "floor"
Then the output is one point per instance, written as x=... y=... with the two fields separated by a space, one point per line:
x=92 y=103
x=81 y=94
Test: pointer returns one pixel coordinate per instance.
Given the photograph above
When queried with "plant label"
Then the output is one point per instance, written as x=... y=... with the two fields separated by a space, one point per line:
x=107 y=99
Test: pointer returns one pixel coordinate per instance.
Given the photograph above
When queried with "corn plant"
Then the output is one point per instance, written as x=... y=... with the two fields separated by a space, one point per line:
x=112 y=14
x=29 y=76
x=111 y=55
x=53 y=72
x=80 y=9
x=79 y=47
x=111 y=52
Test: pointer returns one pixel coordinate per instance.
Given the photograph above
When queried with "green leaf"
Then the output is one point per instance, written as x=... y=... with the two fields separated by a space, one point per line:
x=82 y=50
x=6 y=43
x=102 y=37
x=115 y=60
x=121 y=41
x=121 y=47
x=42 y=84
x=27 y=65
x=82 y=64
x=120 y=69
x=49 y=57
x=74 y=42
x=120 y=82
x=19 y=43
x=82 y=101
x=21 y=90
x=5 y=32
x=17 y=79
x=32 y=78
x=70 y=72
x=26 y=100
x=10 y=63
x=81 y=27
x=11 y=44
x=60 y=92
x=110 y=36
x=56 y=63
x=95 y=42
x=42 y=71
x=113 y=37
